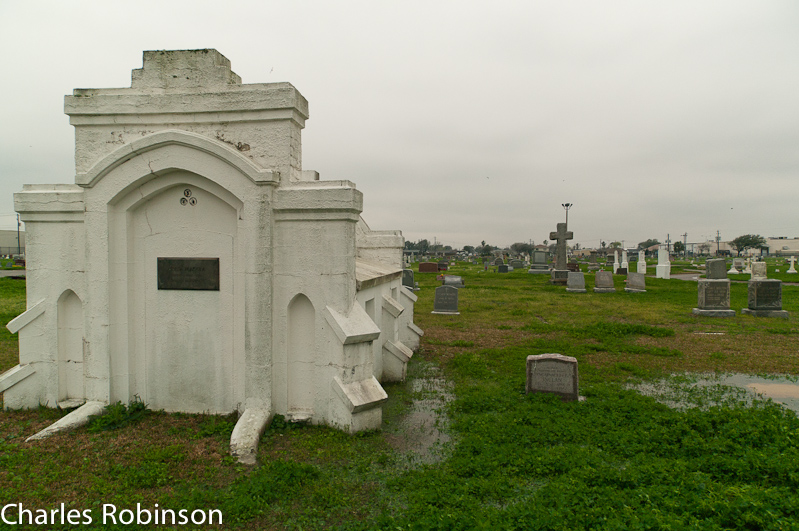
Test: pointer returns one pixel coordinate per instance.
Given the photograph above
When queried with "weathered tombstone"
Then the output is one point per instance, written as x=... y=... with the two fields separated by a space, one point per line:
x=716 y=269
x=747 y=267
x=453 y=280
x=555 y=374
x=738 y=264
x=765 y=299
x=428 y=267
x=603 y=283
x=624 y=263
x=561 y=236
x=503 y=268
x=499 y=261
x=792 y=269
x=516 y=264
x=622 y=271
x=573 y=266
x=539 y=264
x=759 y=271
x=443 y=265
x=446 y=301
x=407 y=279
x=663 y=269
x=592 y=263
x=575 y=282
x=636 y=283
x=641 y=267
x=616 y=263
x=714 y=293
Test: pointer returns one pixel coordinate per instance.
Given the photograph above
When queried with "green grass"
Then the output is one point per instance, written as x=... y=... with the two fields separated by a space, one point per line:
x=618 y=460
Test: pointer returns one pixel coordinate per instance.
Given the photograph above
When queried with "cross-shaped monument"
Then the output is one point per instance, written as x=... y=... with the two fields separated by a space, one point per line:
x=561 y=235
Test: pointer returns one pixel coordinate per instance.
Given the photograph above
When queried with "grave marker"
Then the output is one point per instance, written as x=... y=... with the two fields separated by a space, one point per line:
x=428 y=267
x=555 y=374
x=636 y=283
x=765 y=299
x=575 y=282
x=603 y=283
x=561 y=236
x=446 y=301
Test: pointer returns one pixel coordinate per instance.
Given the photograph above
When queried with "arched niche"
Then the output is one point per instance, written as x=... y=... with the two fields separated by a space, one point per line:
x=70 y=347
x=300 y=367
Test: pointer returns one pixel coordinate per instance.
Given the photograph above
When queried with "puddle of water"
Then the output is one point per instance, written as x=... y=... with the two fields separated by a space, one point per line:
x=703 y=390
x=421 y=432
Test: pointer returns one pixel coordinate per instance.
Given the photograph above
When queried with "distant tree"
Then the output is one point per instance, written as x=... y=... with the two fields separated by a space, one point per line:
x=521 y=247
x=615 y=245
x=679 y=247
x=447 y=247
x=602 y=245
x=485 y=249
x=423 y=246
x=576 y=247
x=748 y=241
x=468 y=249
x=704 y=248
x=648 y=243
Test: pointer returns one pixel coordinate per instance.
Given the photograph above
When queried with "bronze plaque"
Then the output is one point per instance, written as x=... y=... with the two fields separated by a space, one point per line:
x=188 y=273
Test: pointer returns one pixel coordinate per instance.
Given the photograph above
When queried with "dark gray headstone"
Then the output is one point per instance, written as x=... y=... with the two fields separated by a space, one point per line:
x=407 y=278
x=603 y=283
x=713 y=298
x=503 y=268
x=553 y=373
x=446 y=301
x=765 y=299
x=716 y=269
x=499 y=261
x=516 y=264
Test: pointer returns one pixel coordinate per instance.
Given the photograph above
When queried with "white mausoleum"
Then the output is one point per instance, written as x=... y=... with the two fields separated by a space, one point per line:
x=194 y=263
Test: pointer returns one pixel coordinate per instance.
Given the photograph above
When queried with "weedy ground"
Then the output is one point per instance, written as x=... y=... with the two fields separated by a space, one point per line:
x=499 y=459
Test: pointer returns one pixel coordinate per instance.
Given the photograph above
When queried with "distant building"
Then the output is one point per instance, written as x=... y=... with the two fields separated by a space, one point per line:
x=8 y=242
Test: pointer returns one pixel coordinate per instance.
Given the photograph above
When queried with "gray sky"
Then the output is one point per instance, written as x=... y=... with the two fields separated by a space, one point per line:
x=467 y=121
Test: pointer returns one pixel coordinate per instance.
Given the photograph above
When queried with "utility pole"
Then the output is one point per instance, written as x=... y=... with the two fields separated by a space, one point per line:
x=668 y=243
x=685 y=246
x=718 y=240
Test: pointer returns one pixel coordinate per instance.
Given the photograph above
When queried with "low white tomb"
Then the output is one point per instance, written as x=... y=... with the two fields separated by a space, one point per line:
x=194 y=263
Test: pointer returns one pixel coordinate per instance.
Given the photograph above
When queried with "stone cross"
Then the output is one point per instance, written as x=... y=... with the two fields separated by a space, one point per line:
x=560 y=236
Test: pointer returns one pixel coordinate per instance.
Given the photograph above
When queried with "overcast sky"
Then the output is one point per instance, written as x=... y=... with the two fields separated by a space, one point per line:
x=467 y=121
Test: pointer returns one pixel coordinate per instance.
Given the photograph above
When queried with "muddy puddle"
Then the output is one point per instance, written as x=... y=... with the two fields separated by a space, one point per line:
x=704 y=390
x=418 y=428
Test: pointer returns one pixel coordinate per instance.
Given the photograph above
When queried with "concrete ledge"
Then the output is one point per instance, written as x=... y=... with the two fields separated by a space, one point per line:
x=356 y=327
x=415 y=329
x=713 y=313
x=247 y=433
x=25 y=318
x=76 y=419
x=782 y=314
x=398 y=350
x=392 y=306
x=361 y=395
x=574 y=290
x=631 y=290
x=14 y=375
x=604 y=290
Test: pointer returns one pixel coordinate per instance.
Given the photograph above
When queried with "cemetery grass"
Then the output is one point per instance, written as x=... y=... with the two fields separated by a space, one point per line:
x=618 y=460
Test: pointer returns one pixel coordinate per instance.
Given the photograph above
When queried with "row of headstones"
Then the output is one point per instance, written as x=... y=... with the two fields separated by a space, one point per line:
x=764 y=300
x=603 y=282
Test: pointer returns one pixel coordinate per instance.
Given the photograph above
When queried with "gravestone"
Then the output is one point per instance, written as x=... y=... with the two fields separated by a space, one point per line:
x=498 y=261
x=407 y=279
x=516 y=264
x=539 y=264
x=446 y=301
x=503 y=268
x=663 y=269
x=747 y=267
x=624 y=263
x=573 y=266
x=716 y=269
x=713 y=298
x=603 y=283
x=555 y=374
x=759 y=271
x=561 y=236
x=738 y=264
x=443 y=265
x=792 y=269
x=592 y=263
x=641 y=267
x=453 y=280
x=636 y=283
x=575 y=282
x=765 y=299
x=622 y=271
x=428 y=267
x=616 y=263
